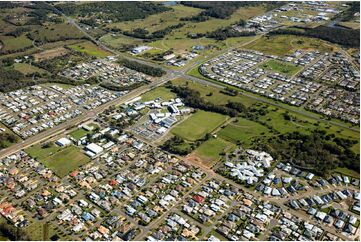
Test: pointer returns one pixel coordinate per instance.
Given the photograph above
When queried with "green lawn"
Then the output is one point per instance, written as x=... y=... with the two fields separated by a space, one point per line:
x=198 y=125
x=209 y=151
x=79 y=133
x=281 y=67
x=90 y=49
x=65 y=160
x=39 y=151
x=243 y=130
x=159 y=92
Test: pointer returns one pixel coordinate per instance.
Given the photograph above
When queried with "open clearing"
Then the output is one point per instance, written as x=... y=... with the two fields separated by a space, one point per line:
x=90 y=49
x=286 y=44
x=80 y=132
x=209 y=151
x=28 y=69
x=49 y=54
x=56 y=32
x=281 y=67
x=243 y=130
x=15 y=43
x=198 y=125
x=159 y=92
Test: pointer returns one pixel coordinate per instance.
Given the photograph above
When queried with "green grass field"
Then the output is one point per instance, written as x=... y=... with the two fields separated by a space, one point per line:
x=79 y=133
x=210 y=150
x=65 y=160
x=281 y=67
x=159 y=92
x=244 y=131
x=286 y=44
x=56 y=32
x=60 y=160
x=14 y=44
x=90 y=49
x=39 y=151
x=28 y=69
x=348 y=172
x=198 y=125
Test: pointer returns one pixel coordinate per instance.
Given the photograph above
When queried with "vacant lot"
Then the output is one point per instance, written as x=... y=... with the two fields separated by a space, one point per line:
x=286 y=44
x=65 y=160
x=281 y=67
x=11 y=43
x=209 y=151
x=243 y=130
x=79 y=133
x=49 y=54
x=56 y=32
x=90 y=49
x=160 y=92
x=198 y=125
x=28 y=69
x=41 y=151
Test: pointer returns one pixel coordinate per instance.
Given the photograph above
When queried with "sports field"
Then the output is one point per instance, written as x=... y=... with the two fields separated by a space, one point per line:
x=198 y=125
x=60 y=160
x=65 y=160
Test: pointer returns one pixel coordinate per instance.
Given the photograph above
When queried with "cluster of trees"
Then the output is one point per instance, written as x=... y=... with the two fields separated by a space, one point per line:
x=13 y=233
x=159 y=34
x=18 y=31
x=196 y=18
x=192 y=98
x=177 y=145
x=345 y=37
x=115 y=11
x=318 y=151
x=219 y=9
x=6 y=138
x=146 y=69
x=118 y=88
x=228 y=32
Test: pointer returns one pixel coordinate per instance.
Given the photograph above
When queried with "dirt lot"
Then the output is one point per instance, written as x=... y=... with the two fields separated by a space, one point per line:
x=49 y=54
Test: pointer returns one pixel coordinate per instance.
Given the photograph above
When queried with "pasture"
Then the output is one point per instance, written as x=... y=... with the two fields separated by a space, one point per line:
x=91 y=49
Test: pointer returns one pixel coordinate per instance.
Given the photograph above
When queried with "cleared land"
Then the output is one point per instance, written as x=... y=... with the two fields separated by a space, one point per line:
x=90 y=49
x=198 y=125
x=243 y=130
x=286 y=44
x=210 y=150
x=56 y=32
x=49 y=54
x=28 y=69
x=11 y=43
x=159 y=92
x=281 y=67
x=350 y=24
x=79 y=133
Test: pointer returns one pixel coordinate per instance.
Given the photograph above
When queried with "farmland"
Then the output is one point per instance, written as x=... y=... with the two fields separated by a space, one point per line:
x=28 y=69
x=55 y=32
x=12 y=44
x=198 y=125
